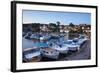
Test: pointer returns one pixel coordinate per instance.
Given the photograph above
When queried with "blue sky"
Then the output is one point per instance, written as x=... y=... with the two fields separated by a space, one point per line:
x=31 y=16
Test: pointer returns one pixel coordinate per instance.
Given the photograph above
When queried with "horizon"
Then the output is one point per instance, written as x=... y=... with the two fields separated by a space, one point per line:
x=54 y=23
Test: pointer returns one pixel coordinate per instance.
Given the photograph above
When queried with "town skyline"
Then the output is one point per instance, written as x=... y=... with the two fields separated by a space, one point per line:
x=57 y=24
x=65 y=18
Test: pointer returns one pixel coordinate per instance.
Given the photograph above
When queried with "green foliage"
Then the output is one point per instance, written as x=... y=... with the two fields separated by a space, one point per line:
x=71 y=25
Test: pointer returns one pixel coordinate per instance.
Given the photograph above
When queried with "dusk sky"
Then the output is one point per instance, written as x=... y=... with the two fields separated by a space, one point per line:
x=31 y=16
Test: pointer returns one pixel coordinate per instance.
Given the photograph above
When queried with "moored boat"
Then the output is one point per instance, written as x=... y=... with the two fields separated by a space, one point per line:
x=31 y=55
x=50 y=53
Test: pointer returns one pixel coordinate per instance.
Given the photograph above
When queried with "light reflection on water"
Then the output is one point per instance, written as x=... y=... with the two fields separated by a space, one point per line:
x=29 y=44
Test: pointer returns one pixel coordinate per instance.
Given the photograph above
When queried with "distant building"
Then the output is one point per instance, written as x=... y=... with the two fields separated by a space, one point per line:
x=86 y=29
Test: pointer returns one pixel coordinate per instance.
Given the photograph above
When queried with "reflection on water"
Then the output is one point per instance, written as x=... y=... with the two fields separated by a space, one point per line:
x=27 y=43
x=30 y=44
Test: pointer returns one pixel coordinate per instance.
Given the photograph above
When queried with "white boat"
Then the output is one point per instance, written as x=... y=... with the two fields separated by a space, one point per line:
x=34 y=36
x=23 y=34
x=44 y=37
x=82 y=39
x=27 y=36
x=71 y=45
x=31 y=55
x=61 y=48
x=50 y=53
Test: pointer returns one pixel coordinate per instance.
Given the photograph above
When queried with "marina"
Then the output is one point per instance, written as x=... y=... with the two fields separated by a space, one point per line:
x=37 y=48
x=55 y=36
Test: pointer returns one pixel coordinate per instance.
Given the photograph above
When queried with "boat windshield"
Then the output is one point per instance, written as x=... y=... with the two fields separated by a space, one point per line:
x=81 y=37
x=75 y=40
x=68 y=42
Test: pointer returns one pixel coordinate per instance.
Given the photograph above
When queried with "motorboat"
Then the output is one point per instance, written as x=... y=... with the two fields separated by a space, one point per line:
x=31 y=55
x=50 y=53
x=23 y=34
x=27 y=36
x=57 y=44
x=72 y=46
x=82 y=39
x=35 y=36
x=63 y=49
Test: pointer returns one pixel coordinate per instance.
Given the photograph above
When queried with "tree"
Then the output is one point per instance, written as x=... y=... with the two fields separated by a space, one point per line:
x=80 y=30
x=52 y=24
x=58 y=23
x=52 y=27
x=36 y=27
x=71 y=25
x=58 y=26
